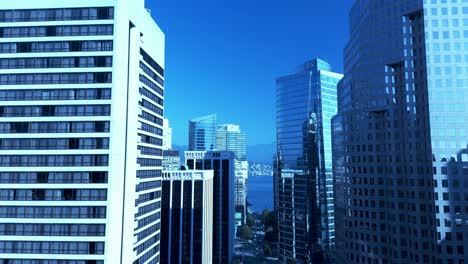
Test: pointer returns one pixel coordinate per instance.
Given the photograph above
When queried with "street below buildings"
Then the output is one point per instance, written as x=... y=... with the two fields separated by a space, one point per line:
x=251 y=251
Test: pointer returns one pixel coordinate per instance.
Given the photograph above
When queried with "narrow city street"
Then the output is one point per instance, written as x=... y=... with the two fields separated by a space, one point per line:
x=252 y=251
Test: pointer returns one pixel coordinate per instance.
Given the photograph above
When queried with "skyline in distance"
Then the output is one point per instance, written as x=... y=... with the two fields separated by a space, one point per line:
x=208 y=50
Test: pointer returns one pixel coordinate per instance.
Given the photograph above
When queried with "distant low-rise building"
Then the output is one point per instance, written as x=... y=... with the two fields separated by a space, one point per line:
x=260 y=169
x=171 y=160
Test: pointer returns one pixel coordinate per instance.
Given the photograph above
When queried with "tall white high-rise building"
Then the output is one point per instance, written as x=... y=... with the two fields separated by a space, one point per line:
x=241 y=169
x=167 y=135
x=81 y=117
x=229 y=137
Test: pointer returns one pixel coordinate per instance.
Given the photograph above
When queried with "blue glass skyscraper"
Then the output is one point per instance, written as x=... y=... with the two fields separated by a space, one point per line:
x=230 y=137
x=303 y=190
x=202 y=133
x=400 y=147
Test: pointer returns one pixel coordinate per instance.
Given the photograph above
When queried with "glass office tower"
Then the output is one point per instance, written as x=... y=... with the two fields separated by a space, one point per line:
x=402 y=126
x=202 y=133
x=230 y=137
x=81 y=109
x=305 y=104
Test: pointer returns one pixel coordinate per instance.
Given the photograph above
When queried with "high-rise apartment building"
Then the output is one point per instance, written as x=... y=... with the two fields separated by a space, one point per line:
x=81 y=115
x=187 y=217
x=303 y=180
x=222 y=165
x=402 y=134
x=241 y=175
x=202 y=133
x=167 y=135
x=229 y=137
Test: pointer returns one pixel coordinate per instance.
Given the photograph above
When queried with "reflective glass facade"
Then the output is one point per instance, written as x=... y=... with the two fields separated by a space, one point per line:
x=400 y=139
x=202 y=133
x=446 y=33
x=305 y=104
x=231 y=138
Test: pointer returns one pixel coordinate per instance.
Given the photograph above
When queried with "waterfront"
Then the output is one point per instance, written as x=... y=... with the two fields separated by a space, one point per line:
x=260 y=193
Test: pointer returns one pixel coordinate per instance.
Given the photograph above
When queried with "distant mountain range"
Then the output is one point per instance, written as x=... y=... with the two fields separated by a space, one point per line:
x=260 y=153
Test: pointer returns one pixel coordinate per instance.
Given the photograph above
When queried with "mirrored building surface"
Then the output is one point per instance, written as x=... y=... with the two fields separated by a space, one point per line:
x=303 y=190
x=202 y=133
x=401 y=134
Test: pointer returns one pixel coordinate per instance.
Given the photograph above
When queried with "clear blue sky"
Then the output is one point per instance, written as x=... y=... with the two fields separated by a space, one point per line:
x=224 y=56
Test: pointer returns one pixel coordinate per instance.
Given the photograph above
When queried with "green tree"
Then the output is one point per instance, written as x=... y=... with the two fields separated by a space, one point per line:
x=266 y=249
x=250 y=220
x=264 y=215
x=270 y=220
x=245 y=232
x=271 y=227
x=236 y=261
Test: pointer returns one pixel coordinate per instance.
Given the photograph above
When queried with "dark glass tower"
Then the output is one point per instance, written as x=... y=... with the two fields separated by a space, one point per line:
x=222 y=164
x=186 y=217
x=401 y=134
x=305 y=104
